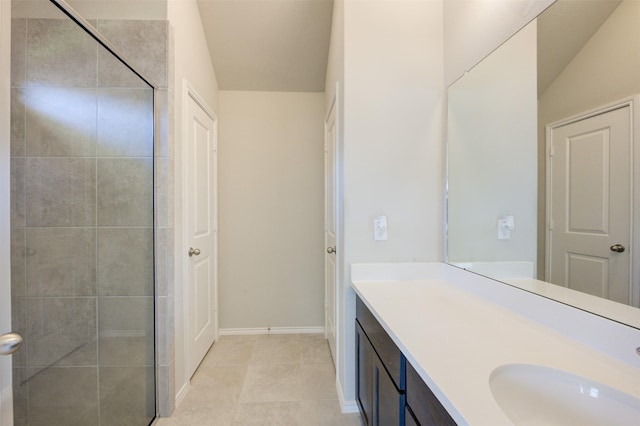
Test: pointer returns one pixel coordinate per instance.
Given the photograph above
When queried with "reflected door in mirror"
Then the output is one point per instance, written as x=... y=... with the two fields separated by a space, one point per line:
x=590 y=182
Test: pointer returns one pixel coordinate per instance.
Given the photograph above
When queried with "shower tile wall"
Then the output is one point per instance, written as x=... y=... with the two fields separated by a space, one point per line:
x=73 y=224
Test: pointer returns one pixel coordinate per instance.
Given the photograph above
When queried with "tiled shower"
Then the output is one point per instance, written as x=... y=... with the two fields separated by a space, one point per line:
x=83 y=223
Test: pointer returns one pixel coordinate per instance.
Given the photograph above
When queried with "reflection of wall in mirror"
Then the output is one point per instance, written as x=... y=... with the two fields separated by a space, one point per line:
x=492 y=158
x=603 y=71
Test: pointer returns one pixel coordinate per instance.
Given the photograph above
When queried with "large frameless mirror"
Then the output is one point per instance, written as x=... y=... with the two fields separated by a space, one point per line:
x=543 y=159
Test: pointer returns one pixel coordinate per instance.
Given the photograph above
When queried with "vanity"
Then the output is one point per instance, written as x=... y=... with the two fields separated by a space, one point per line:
x=437 y=345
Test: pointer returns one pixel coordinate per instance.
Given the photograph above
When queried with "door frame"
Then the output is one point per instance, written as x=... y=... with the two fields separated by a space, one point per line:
x=633 y=103
x=6 y=391
x=333 y=108
x=189 y=92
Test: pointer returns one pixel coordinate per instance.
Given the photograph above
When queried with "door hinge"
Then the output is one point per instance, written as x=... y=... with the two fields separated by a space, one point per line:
x=550 y=224
x=551 y=151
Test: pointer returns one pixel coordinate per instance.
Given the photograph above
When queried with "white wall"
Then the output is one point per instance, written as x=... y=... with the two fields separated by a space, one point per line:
x=271 y=159
x=492 y=117
x=192 y=63
x=474 y=28
x=391 y=142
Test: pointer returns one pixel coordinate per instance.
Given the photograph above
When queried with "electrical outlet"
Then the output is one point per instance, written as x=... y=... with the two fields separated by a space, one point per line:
x=380 y=228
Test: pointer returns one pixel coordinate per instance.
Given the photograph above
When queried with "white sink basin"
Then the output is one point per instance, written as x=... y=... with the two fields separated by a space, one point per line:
x=535 y=395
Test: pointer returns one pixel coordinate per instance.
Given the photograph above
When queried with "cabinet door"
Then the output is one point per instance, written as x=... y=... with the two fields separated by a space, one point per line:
x=365 y=376
x=390 y=402
x=408 y=418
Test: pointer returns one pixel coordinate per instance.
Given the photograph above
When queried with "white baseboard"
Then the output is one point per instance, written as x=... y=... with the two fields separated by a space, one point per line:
x=270 y=330
x=345 y=406
x=182 y=393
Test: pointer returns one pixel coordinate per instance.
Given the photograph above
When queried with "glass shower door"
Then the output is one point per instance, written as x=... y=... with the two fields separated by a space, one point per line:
x=82 y=239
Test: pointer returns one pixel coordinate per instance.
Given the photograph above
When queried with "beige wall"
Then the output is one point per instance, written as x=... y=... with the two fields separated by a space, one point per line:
x=192 y=63
x=388 y=59
x=271 y=156
x=474 y=28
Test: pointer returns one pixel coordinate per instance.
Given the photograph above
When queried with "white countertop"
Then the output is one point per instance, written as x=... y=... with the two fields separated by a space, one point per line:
x=455 y=339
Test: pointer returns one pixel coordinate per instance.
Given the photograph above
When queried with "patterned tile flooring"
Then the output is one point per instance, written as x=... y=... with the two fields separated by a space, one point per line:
x=279 y=380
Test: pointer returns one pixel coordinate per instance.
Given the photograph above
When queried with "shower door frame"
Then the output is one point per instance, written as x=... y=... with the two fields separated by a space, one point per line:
x=6 y=392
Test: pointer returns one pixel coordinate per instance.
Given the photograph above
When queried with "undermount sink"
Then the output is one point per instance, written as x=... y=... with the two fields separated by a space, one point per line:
x=536 y=395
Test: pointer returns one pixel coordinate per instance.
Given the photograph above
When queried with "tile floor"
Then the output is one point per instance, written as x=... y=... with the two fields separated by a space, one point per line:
x=280 y=380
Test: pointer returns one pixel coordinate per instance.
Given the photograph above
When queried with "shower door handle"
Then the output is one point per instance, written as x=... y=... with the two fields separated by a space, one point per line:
x=10 y=342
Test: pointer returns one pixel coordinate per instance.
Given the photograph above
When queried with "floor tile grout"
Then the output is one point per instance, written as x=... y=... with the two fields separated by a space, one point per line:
x=264 y=380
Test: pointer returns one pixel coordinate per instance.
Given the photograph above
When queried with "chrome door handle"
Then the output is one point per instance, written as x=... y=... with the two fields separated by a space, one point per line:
x=10 y=342
x=618 y=248
x=193 y=252
x=331 y=250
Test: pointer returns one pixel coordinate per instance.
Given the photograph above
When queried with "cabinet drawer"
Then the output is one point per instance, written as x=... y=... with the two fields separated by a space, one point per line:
x=423 y=403
x=387 y=351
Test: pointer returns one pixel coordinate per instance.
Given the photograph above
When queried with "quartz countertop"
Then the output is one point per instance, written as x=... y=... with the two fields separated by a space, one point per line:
x=455 y=340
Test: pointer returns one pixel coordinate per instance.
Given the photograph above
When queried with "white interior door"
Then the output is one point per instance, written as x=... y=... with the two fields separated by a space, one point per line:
x=201 y=230
x=330 y=228
x=590 y=205
x=6 y=395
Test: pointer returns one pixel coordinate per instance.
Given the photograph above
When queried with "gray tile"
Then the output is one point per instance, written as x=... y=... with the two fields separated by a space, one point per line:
x=165 y=326
x=113 y=73
x=162 y=122
x=120 y=320
x=18 y=51
x=271 y=383
x=18 y=192
x=18 y=263
x=125 y=122
x=315 y=351
x=127 y=395
x=62 y=396
x=125 y=261
x=283 y=349
x=327 y=412
x=164 y=184
x=20 y=396
x=60 y=53
x=143 y=42
x=125 y=191
x=61 y=192
x=18 y=122
x=61 y=261
x=19 y=325
x=61 y=331
x=216 y=383
x=124 y=350
x=317 y=381
x=216 y=413
x=166 y=389
x=164 y=260
x=231 y=350
x=61 y=122
x=272 y=414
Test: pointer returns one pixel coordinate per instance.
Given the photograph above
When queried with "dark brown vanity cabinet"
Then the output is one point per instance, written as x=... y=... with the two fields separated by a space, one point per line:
x=389 y=392
x=380 y=373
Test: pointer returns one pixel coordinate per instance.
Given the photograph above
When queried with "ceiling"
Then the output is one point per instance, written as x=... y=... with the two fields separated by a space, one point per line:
x=268 y=45
x=563 y=30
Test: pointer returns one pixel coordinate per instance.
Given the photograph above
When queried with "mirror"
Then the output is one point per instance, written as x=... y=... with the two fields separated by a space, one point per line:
x=541 y=182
